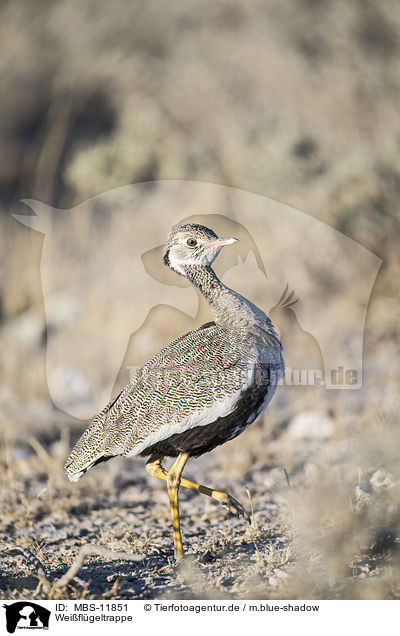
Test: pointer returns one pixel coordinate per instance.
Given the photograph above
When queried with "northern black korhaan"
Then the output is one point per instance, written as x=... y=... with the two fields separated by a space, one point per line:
x=199 y=391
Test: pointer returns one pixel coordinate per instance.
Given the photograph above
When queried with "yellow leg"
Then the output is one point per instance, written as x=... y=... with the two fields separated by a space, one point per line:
x=155 y=468
x=173 y=483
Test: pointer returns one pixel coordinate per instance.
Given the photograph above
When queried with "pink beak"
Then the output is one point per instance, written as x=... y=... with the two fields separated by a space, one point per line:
x=220 y=242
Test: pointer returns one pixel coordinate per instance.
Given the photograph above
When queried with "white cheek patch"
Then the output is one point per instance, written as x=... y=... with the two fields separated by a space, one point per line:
x=174 y=265
x=180 y=256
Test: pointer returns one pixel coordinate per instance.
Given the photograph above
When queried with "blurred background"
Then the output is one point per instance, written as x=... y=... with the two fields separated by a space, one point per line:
x=296 y=101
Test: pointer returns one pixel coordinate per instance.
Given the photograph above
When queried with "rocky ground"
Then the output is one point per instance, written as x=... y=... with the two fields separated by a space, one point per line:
x=318 y=530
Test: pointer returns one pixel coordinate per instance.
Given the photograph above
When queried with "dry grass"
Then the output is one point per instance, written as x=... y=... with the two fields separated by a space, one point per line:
x=298 y=102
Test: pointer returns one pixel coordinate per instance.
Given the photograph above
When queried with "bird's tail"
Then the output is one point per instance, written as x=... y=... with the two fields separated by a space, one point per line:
x=86 y=453
x=89 y=449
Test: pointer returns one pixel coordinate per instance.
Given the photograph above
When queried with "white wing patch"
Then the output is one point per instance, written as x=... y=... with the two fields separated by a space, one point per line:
x=205 y=416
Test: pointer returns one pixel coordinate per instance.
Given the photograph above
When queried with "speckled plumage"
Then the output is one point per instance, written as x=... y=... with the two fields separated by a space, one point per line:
x=203 y=388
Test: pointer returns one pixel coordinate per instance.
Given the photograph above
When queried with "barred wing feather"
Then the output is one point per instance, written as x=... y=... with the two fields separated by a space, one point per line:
x=193 y=380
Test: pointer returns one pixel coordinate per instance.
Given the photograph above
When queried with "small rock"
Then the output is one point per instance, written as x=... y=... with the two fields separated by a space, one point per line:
x=381 y=479
x=273 y=478
x=69 y=384
x=378 y=481
x=61 y=309
x=362 y=495
x=26 y=329
x=21 y=452
x=311 y=425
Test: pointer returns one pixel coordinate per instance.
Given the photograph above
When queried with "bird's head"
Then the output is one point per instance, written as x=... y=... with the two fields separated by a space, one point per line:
x=192 y=244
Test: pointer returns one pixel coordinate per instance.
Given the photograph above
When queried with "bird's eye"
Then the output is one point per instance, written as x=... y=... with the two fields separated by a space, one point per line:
x=191 y=242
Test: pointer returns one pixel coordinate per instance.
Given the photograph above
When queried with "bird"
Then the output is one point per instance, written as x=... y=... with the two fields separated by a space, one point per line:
x=201 y=390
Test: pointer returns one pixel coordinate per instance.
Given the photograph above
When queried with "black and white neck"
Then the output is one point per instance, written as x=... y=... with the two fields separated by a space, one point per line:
x=190 y=251
x=227 y=305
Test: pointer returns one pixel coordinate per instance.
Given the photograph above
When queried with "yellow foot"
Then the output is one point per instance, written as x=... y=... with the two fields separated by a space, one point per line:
x=231 y=503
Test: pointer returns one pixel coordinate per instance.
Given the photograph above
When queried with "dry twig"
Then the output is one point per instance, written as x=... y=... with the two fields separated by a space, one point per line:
x=83 y=554
x=89 y=550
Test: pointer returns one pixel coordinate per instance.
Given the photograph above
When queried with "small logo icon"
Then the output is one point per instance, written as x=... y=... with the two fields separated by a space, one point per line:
x=26 y=615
